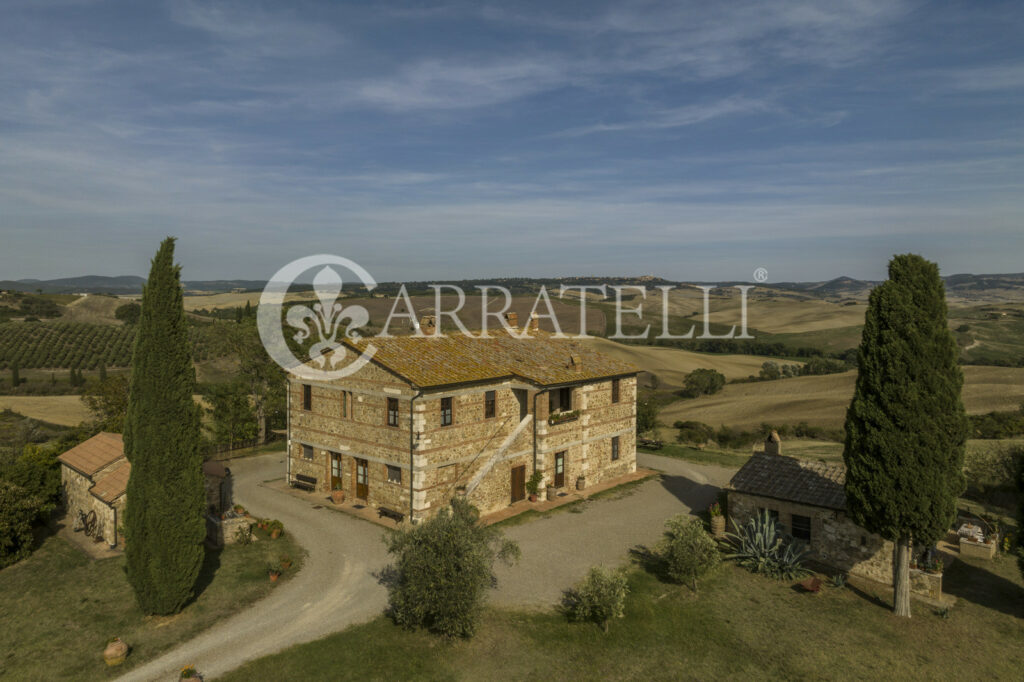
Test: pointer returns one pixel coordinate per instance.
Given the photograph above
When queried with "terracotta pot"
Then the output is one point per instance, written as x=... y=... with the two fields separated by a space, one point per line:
x=533 y=497
x=275 y=534
x=337 y=496
x=286 y=565
x=115 y=653
x=274 y=575
x=718 y=526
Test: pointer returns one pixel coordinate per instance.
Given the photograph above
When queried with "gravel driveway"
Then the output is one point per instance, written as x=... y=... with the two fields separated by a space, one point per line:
x=336 y=587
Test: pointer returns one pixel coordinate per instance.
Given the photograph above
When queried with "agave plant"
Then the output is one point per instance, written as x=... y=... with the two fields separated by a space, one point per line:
x=761 y=546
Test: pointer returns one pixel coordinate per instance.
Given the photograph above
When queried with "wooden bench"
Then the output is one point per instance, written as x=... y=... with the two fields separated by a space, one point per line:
x=304 y=482
x=391 y=514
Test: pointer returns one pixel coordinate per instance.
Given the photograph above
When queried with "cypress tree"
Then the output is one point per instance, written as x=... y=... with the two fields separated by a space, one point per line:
x=906 y=427
x=164 y=510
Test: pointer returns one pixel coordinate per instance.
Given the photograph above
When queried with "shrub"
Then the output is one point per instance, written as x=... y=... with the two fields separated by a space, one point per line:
x=128 y=313
x=442 y=568
x=18 y=511
x=600 y=597
x=688 y=551
x=694 y=432
x=762 y=547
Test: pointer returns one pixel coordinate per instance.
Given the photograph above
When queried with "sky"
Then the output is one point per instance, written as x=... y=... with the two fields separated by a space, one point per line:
x=695 y=141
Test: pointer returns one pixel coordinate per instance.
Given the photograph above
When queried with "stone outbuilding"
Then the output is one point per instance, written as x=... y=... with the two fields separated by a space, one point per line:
x=94 y=478
x=808 y=500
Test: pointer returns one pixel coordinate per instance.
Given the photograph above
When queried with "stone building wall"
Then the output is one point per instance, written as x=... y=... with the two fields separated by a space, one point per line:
x=75 y=491
x=446 y=458
x=835 y=541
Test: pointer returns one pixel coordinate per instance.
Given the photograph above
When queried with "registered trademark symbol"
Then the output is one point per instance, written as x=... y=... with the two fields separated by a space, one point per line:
x=761 y=275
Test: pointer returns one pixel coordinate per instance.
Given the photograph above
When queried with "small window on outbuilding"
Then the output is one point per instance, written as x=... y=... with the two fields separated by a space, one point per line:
x=802 y=527
x=394 y=474
x=307 y=452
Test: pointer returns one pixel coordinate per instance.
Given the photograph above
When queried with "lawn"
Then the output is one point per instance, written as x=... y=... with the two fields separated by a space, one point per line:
x=740 y=626
x=59 y=608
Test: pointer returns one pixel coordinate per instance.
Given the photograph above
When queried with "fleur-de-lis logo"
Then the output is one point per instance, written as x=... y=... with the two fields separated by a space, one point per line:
x=326 y=317
x=324 y=324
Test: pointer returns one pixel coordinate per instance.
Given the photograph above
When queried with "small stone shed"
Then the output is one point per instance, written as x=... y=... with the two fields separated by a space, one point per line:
x=808 y=500
x=94 y=477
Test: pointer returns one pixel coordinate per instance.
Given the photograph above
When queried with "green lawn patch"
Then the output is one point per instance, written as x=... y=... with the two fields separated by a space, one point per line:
x=740 y=626
x=59 y=608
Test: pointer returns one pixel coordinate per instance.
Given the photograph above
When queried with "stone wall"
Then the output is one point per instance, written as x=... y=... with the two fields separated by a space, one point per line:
x=836 y=541
x=75 y=491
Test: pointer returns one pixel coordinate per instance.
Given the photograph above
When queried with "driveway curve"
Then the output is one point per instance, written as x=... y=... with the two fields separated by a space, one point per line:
x=334 y=589
x=336 y=586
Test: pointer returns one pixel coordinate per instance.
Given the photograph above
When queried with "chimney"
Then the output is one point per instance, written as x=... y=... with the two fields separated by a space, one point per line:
x=534 y=322
x=513 y=320
x=427 y=325
x=773 y=444
x=576 y=362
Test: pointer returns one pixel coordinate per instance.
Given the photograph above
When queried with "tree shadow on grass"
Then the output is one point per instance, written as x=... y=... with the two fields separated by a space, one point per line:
x=211 y=563
x=651 y=562
x=978 y=585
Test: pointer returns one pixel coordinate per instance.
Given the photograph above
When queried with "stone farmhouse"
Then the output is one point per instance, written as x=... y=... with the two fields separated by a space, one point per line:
x=808 y=499
x=94 y=478
x=431 y=417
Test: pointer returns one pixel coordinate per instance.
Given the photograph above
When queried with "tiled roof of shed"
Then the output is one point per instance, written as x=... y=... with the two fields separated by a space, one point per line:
x=114 y=483
x=796 y=480
x=94 y=454
x=456 y=358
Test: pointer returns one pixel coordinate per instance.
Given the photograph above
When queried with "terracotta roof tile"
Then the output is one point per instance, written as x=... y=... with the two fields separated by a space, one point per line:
x=114 y=483
x=796 y=480
x=456 y=358
x=99 y=451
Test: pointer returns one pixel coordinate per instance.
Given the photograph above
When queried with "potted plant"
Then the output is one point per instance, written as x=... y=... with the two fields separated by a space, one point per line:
x=263 y=524
x=337 y=494
x=276 y=528
x=533 y=485
x=286 y=562
x=116 y=652
x=189 y=672
x=239 y=509
x=274 y=572
x=717 y=520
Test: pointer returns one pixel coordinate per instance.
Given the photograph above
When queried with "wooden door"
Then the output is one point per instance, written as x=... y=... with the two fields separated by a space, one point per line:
x=559 y=469
x=518 y=483
x=336 y=471
x=362 y=481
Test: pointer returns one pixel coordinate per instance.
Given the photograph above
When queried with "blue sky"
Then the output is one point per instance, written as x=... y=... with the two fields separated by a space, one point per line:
x=696 y=141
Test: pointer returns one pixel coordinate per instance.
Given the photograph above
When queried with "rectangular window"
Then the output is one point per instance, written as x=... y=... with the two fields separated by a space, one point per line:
x=772 y=513
x=307 y=397
x=615 y=390
x=560 y=400
x=615 y=448
x=489 y=398
x=446 y=411
x=802 y=527
x=392 y=411
x=394 y=474
x=307 y=452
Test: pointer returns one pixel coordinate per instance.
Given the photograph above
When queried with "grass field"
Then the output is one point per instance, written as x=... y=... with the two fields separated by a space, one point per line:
x=60 y=608
x=740 y=626
x=671 y=365
x=65 y=410
x=822 y=400
x=93 y=309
